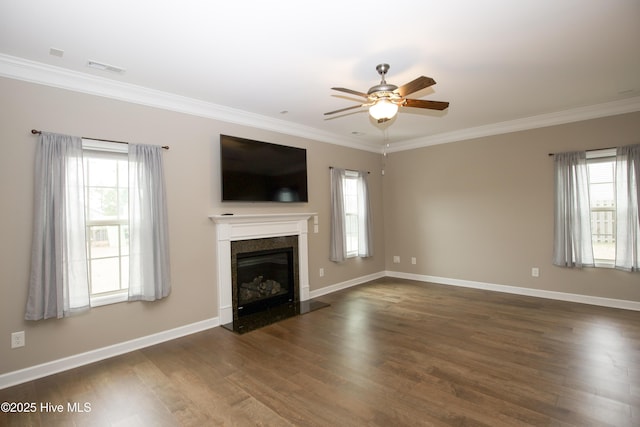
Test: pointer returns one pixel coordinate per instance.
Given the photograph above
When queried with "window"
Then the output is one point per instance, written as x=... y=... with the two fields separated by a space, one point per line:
x=351 y=227
x=106 y=180
x=601 y=166
x=100 y=229
x=597 y=213
x=351 y=223
x=107 y=221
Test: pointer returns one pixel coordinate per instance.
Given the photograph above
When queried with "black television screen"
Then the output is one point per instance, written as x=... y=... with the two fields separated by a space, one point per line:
x=254 y=171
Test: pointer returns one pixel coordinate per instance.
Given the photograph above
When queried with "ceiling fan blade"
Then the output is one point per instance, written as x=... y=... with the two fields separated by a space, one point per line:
x=420 y=103
x=353 y=92
x=344 y=109
x=420 y=83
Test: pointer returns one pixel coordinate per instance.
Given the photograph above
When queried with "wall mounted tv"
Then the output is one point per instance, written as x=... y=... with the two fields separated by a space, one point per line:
x=254 y=171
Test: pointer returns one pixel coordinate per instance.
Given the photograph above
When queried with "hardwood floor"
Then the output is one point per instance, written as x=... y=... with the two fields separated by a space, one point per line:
x=388 y=353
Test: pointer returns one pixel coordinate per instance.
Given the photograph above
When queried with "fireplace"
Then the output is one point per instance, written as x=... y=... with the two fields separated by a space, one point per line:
x=247 y=233
x=264 y=274
x=262 y=233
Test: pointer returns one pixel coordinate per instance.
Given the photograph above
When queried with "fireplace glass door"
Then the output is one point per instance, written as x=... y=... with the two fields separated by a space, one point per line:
x=264 y=279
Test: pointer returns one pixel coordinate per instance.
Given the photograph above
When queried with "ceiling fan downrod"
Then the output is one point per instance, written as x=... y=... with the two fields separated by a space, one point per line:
x=383 y=86
x=382 y=70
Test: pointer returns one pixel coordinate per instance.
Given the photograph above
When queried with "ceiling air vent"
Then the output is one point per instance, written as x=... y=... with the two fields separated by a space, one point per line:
x=54 y=51
x=104 y=67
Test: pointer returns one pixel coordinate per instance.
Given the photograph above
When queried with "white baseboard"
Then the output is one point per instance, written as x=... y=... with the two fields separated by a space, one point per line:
x=34 y=372
x=540 y=293
x=28 y=374
x=49 y=368
x=344 y=285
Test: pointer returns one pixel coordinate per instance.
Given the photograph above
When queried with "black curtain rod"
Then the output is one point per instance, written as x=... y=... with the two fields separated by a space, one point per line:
x=331 y=167
x=37 y=132
x=595 y=149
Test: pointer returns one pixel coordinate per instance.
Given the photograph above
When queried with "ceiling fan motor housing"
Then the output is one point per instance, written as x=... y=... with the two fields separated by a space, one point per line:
x=382 y=87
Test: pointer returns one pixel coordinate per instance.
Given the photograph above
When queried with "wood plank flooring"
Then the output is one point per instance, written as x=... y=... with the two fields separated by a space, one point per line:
x=388 y=353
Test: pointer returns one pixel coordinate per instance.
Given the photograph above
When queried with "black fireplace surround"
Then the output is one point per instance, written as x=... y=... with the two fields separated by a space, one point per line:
x=264 y=281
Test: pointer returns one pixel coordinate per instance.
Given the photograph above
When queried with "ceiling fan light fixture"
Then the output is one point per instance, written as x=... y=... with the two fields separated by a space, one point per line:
x=383 y=109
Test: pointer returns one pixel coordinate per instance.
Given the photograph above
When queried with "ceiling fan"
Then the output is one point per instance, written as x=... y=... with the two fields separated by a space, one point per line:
x=384 y=99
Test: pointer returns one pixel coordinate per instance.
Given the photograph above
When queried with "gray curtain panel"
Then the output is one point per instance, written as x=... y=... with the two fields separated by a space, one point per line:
x=365 y=221
x=627 y=217
x=58 y=283
x=149 y=269
x=337 y=247
x=572 y=230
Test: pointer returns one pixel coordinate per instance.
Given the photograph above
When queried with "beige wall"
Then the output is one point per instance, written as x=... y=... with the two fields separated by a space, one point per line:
x=478 y=210
x=193 y=193
x=482 y=210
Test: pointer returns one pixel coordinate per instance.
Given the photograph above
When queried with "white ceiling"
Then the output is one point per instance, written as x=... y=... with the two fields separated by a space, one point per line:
x=502 y=64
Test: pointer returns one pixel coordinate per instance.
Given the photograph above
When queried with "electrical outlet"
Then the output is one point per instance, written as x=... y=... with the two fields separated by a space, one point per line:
x=535 y=272
x=396 y=259
x=321 y=272
x=17 y=339
x=413 y=260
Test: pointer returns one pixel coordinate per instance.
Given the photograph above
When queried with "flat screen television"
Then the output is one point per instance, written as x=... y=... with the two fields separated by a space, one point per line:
x=254 y=171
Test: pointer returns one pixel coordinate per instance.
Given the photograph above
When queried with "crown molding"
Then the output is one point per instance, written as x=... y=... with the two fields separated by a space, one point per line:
x=48 y=75
x=627 y=105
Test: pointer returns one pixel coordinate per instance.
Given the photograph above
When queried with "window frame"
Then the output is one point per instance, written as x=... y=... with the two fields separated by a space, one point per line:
x=603 y=156
x=351 y=216
x=105 y=150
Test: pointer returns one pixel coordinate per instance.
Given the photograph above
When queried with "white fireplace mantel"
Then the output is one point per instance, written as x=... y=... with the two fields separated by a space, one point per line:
x=257 y=226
